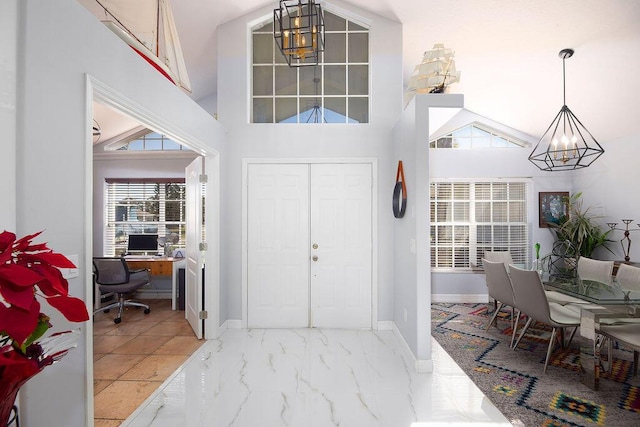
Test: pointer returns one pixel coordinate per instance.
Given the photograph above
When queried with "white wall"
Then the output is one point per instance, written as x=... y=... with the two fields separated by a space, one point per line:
x=60 y=42
x=307 y=140
x=493 y=163
x=125 y=165
x=412 y=291
x=610 y=189
x=8 y=67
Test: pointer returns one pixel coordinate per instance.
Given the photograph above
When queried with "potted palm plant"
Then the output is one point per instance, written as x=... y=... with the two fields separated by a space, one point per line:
x=580 y=228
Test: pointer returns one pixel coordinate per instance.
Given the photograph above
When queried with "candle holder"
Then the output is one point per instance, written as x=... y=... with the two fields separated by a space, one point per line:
x=626 y=240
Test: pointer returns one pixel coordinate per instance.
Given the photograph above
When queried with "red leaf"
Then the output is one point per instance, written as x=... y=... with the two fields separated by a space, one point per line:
x=37 y=247
x=6 y=240
x=24 y=242
x=19 y=323
x=19 y=296
x=72 y=308
x=53 y=283
x=16 y=369
x=19 y=275
x=51 y=258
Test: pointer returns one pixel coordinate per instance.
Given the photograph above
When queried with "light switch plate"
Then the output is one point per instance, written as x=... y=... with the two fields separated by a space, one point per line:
x=70 y=273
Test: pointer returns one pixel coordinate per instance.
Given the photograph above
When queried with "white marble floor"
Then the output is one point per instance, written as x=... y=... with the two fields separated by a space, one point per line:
x=313 y=378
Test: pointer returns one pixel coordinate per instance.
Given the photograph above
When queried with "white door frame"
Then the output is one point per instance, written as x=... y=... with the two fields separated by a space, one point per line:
x=98 y=91
x=374 y=222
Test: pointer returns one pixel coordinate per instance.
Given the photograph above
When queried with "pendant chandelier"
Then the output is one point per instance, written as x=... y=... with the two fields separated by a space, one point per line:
x=566 y=144
x=298 y=30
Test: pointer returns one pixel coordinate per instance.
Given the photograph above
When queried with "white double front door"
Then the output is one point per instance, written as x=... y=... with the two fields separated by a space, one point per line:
x=309 y=245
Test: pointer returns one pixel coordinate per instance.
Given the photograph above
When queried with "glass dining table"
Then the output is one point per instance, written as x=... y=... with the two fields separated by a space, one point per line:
x=603 y=302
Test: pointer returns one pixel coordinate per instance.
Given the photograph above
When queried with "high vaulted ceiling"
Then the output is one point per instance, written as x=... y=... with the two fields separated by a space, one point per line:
x=507 y=52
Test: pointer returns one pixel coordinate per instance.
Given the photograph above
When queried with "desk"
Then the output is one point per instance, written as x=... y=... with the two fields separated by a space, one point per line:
x=160 y=268
x=608 y=301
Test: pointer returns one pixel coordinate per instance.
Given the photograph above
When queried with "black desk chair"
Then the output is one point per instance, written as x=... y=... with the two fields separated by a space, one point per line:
x=113 y=276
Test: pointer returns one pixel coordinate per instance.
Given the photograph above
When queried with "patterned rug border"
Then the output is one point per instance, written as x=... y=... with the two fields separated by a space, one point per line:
x=594 y=413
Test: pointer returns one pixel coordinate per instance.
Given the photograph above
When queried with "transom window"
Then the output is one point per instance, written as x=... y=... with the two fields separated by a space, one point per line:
x=475 y=136
x=151 y=141
x=153 y=206
x=334 y=91
x=470 y=217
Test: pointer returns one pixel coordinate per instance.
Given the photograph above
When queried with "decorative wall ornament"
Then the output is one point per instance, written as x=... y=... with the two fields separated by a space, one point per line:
x=399 y=193
x=626 y=240
x=553 y=207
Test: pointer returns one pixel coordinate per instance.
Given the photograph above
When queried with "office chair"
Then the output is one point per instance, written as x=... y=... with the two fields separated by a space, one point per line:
x=113 y=276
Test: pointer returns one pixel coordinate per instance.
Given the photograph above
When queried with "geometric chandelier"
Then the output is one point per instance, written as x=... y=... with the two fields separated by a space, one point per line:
x=298 y=30
x=566 y=144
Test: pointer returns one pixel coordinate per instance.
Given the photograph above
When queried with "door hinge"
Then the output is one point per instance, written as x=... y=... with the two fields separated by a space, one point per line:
x=203 y=178
x=203 y=315
x=203 y=246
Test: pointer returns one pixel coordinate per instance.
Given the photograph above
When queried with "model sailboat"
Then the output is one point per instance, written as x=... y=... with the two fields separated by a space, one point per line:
x=148 y=27
x=435 y=73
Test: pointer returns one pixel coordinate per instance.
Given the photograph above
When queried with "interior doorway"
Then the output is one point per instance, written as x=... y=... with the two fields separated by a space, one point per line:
x=309 y=247
x=100 y=93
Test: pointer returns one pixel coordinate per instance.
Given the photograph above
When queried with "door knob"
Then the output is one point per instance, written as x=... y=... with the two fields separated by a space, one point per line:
x=315 y=257
x=315 y=246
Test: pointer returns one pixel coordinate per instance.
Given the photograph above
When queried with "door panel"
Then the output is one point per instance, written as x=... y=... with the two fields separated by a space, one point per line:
x=341 y=229
x=291 y=207
x=194 y=257
x=278 y=246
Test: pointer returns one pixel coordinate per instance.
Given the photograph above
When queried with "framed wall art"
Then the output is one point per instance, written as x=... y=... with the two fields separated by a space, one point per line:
x=553 y=206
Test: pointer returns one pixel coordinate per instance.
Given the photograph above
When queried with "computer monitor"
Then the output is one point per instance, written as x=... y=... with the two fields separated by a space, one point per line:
x=142 y=243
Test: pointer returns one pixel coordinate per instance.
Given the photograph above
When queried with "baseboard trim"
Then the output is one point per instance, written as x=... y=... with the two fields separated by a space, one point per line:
x=421 y=366
x=385 y=325
x=460 y=298
x=231 y=324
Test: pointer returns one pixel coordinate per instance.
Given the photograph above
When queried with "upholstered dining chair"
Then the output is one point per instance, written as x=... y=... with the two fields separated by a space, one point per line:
x=628 y=277
x=531 y=299
x=594 y=269
x=499 y=256
x=113 y=276
x=499 y=287
x=625 y=331
x=627 y=334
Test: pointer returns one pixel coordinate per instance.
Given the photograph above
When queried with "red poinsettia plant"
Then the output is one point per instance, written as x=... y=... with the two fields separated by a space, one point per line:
x=29 y=273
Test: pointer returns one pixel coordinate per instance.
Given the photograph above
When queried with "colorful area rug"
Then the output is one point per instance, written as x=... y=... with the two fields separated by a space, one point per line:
x=514 y=380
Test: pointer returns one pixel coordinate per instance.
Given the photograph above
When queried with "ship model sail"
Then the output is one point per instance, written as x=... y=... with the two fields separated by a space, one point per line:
x=149 y=28
x=435 y=73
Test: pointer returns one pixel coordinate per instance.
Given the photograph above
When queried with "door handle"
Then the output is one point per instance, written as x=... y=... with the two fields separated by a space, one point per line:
x=315 y=258
x=315 y=246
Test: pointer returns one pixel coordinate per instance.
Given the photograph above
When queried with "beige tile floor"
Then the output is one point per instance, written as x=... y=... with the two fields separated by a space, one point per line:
x=132 y=359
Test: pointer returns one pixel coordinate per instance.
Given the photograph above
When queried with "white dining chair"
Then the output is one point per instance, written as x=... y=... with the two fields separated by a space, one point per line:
x=627 y=334
x=531 y=300
x=625 y=331
x=628 y=277
x=499 y=256
x=499 y=287
x=595 y=269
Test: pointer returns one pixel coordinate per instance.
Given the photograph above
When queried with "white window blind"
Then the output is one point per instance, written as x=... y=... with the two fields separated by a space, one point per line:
x=471 y=217
x=155 y=206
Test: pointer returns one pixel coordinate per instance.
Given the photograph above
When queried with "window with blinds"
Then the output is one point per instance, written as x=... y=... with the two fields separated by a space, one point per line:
x=471 y=217
x=155 y=206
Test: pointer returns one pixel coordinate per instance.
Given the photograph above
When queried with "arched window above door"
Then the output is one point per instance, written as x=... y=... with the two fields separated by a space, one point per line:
x=334 y=91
